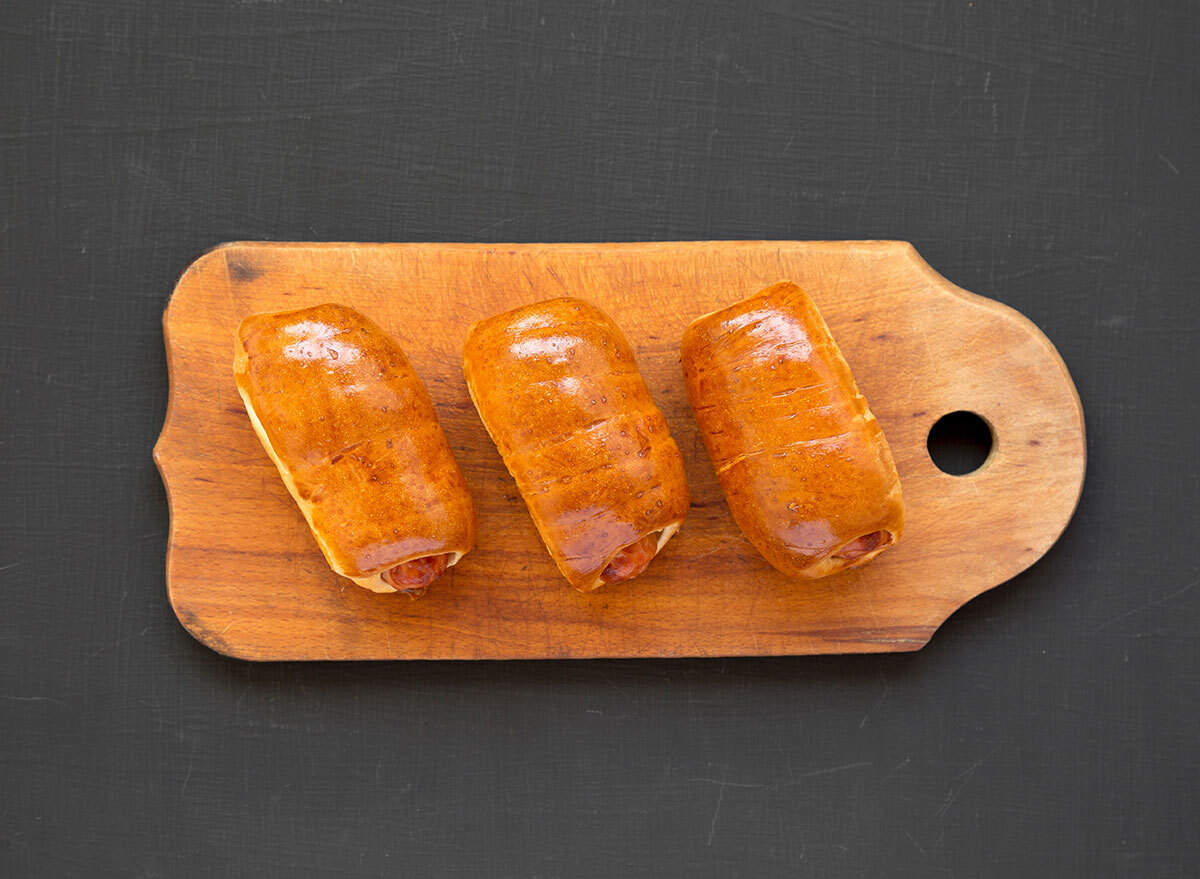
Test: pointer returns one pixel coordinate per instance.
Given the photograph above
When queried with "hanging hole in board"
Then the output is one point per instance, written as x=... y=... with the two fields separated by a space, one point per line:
x=960 y=443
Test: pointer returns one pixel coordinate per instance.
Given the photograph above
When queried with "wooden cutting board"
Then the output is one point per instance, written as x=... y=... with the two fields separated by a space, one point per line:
x=246 y=578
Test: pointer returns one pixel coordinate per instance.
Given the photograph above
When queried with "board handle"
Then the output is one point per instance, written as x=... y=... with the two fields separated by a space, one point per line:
x=978 y=359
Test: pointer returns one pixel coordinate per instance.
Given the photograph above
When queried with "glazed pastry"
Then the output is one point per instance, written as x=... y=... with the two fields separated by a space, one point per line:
x=354 y=435
x=803 y=463
x=561 y=396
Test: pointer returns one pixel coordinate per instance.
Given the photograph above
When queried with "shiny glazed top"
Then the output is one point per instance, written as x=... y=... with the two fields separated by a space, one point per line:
x=558 y=390
x=802 y=461
x=353 y=429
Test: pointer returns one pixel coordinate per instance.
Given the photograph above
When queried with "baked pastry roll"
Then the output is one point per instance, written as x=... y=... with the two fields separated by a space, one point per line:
x=803 y=463
x=356 y=440
x=561 y=396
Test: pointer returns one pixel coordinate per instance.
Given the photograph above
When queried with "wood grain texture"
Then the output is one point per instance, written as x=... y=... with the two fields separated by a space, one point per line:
x=245 y=577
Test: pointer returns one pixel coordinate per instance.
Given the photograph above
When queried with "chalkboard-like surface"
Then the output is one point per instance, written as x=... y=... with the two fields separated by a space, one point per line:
x=1038 y=153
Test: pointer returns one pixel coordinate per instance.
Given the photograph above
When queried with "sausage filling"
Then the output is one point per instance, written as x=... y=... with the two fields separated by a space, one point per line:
x=631 y=560
x=415 y=574
x=860 y=546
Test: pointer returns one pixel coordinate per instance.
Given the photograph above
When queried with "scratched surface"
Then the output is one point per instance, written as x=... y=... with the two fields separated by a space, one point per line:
x=1042 y=154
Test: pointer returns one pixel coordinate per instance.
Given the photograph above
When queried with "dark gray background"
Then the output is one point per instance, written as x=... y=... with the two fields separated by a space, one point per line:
x=1044 y=154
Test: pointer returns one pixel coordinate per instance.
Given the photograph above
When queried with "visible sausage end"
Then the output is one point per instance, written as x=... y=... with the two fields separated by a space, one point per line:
x=412 y=576
x=631 y=560
x=860 y=546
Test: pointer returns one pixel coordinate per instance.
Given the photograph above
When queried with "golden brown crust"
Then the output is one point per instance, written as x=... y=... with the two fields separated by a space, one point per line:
x=558 y=390
x=356 y=439
x=802 y=461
